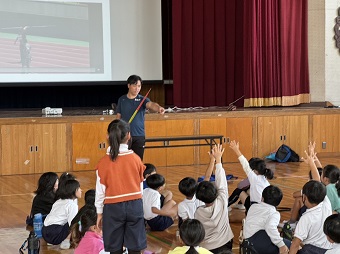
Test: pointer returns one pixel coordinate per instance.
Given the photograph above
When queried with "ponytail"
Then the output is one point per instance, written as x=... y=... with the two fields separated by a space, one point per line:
x=78 y=230
x=191 y=250
x=117 y=130
x=260 y=166
x=76 y=235
x=192 y=234
x=332 y=172
x=269 y=174
x=337 y=186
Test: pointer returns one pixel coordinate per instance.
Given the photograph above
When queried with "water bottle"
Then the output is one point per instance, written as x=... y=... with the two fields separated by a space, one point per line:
x=37 y=224
x=33 y=243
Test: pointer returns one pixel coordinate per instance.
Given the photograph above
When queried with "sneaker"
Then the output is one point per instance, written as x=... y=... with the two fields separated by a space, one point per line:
x=287 y=232
x=65 y=245
x=240 y=207
x=281 y=224
x=291 y=224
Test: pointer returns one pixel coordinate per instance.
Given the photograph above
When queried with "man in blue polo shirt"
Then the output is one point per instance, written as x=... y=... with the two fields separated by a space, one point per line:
x=127 y=104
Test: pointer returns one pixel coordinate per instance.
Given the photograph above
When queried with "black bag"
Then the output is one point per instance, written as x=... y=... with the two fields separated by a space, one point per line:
x=286 y=154
x=247 y=247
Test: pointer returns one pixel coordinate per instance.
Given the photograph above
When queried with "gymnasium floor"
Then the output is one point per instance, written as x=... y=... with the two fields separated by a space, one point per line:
x=16 y=197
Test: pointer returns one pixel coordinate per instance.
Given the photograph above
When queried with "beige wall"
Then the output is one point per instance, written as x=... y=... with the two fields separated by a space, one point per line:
x=324 y=57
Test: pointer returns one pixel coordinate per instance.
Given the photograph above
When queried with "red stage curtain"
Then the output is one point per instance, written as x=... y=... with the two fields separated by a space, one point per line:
x=207 y=71
x=275 y=53
x=223 y=49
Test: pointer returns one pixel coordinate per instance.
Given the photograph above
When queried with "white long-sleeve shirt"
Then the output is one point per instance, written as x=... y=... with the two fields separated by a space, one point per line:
x=257 y=182
x=263 y=216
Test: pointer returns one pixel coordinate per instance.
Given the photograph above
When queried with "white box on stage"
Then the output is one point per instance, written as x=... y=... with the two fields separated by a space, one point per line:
x=52 y=111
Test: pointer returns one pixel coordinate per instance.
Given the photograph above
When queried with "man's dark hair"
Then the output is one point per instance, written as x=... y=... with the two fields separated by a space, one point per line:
x=133 y=79
x=272 y=195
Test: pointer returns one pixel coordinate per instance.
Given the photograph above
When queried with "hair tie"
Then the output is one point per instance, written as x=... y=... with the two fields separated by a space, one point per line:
x=79 y=223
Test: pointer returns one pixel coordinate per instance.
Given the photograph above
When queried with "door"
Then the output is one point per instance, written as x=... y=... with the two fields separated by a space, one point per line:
x=51 y=153
x=18 y=149
x=89 y=141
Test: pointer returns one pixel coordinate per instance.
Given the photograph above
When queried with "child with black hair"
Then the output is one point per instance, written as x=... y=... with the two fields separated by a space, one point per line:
x=89 y=198
x=188 y=186
x=260 y=227
x=214 y=214
x=56 y=229
x=257 y=176
x=243 y=186
x=86 y=237
x=308 y=230
x=187 y=208
x=119 y=195
x=192 y=234
x=315 y=173
x=157 y=217
x=150 y=169
x=331 y=228
x=329 y=176
x=62 y=180
x=45 y=196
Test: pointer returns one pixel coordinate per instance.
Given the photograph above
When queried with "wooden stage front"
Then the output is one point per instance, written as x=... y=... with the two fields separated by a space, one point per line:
x=16 y=197
x=32 y=144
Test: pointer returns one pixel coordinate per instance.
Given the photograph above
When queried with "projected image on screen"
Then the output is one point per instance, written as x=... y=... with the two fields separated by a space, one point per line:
x=58 y=37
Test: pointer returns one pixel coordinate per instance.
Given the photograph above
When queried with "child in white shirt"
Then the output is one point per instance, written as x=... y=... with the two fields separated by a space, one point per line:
x=56 y=229
x=158 y=217
x=309 y=231
x=331 y=228
x=260 y=227
x=257 y=176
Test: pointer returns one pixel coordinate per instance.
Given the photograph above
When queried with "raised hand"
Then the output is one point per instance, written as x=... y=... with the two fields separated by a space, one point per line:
x=235 y=146
x=217 y=152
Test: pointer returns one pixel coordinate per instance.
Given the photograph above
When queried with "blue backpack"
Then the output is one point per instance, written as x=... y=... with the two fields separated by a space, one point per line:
x=286 y=154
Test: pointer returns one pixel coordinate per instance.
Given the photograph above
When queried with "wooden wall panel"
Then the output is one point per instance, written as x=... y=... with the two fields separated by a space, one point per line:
x=88 y=148
x=211 y=126
x=241 y=130
x=180 y=155
x=156 y=156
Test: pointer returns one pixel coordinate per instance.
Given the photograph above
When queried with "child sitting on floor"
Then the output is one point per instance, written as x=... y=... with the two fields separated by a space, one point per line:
x=309 y=231
x=86 y=237
x=331 y=228
x=188 y=186
x=214 y=214
x=158 y=217
x=150 y=169
x=56 y=229
x=192 y=234
x=45 y=196
x=260 y=227
x=242 y=186
x=258 y=177
x=89 y=197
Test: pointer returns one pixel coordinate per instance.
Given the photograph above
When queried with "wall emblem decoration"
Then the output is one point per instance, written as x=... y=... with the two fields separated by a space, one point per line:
x=337 y=30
